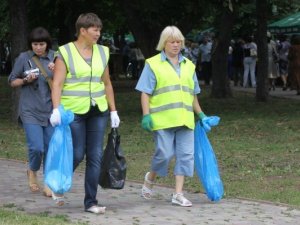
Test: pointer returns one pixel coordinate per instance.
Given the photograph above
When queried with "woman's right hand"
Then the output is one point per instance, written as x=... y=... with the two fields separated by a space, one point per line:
x=31 y=77
x=55 y=118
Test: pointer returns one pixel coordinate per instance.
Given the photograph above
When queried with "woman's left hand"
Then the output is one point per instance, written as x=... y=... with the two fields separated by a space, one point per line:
x=114 y=119
x=51 y=66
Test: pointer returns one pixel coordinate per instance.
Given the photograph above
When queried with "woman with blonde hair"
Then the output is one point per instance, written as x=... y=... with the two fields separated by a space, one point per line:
x=169 y=88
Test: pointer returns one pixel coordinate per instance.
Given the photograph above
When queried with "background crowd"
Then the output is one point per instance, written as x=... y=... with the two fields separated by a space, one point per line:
x=283 y=60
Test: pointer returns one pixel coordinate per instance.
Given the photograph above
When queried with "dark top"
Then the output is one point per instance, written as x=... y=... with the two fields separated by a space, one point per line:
x=35 y=104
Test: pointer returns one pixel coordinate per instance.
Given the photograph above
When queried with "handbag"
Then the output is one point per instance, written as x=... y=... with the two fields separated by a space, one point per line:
x=253 y=52
x=113 y=164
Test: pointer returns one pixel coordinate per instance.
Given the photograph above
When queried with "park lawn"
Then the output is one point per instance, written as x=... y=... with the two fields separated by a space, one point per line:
x=9 y=216
x=256 y=144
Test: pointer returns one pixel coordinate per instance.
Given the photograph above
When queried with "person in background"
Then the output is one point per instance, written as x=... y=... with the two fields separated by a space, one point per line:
x=125 y=56
x=169 y=88
x=205 y=54
x=194 y=52
x=250 y=55
x=294 y=63
x=35 y=105
x=273 y=71
x=283 y=51
x=137 y=59
x=82 y=84
x=186 y=51
x=237 y=62
x=194 y=56
x=230 y=60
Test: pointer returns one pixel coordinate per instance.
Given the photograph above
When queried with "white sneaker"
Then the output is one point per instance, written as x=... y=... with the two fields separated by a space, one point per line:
x=147 y=190
x=96 y=209
x=179 y=199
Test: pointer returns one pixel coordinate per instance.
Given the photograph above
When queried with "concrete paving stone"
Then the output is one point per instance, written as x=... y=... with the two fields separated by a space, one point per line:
x=126 y=207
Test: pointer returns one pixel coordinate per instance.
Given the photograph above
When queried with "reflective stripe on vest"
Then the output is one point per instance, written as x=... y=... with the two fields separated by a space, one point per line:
x=83 y=82
x=83 y=93
x=173 y=88
x=171 y=103
x=176 y=105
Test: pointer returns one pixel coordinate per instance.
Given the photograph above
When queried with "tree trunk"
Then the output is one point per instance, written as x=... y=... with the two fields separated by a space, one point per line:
x=262 y=51
x=146 y=38
x=220 y=86
x=18 y=17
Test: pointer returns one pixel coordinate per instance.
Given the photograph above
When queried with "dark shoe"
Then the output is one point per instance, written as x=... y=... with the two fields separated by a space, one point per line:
x=284 y=88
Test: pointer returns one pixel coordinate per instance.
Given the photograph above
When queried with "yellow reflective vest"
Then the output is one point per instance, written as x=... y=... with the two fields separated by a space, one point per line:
x=83 y=81
x=171 y=104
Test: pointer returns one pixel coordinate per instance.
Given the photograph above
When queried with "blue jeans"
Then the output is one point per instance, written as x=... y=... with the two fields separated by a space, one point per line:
x=249 y=66
x=88 y=133
x=38 y=138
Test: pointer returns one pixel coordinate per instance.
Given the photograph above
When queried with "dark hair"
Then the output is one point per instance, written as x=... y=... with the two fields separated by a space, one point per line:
x=248 y=39
x=39 y=34
x=282 y=37
x=87 y=20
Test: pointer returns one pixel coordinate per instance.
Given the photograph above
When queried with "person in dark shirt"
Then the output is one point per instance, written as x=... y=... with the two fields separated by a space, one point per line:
x=237 y=62
x=35 y=105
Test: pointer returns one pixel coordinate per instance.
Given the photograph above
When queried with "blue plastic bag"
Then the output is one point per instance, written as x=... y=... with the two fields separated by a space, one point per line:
x=209 y=122
x=59 y=161
x=206 y=164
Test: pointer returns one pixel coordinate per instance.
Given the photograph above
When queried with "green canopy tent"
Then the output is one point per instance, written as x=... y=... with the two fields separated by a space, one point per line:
x=287 y=25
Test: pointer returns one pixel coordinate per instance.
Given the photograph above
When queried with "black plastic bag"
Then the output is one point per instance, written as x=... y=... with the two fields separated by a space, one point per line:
x=113 y=166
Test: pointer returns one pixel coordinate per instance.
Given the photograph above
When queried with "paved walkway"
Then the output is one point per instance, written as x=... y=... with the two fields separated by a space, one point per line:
x=279 y=93
x=126 y=207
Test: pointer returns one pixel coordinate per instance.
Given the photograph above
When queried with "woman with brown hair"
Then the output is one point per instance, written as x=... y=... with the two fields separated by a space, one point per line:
x=82 y=84
x=35 y=105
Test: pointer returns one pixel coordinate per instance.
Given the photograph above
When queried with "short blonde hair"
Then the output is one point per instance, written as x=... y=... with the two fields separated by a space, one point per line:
x=170 y=32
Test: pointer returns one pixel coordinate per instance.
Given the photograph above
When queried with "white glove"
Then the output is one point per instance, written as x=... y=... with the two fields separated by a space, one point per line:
x=55 y=118
x=114 y=119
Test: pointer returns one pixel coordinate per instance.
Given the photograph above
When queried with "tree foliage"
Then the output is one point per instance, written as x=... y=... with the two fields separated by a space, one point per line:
x=146 y=19
x=4 y=20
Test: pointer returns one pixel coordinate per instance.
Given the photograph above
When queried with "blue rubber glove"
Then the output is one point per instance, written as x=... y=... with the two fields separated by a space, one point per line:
x=147 y=123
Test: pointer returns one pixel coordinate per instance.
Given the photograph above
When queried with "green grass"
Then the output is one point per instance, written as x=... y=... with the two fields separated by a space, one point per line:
x=257 y=144
x=10 y=217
